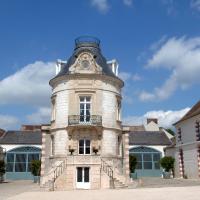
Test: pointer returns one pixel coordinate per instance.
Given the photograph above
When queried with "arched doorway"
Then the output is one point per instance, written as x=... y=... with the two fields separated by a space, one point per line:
x=147 y=161
x=18 y=162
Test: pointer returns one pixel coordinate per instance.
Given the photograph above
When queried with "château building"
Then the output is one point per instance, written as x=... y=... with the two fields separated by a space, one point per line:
x=84 y=147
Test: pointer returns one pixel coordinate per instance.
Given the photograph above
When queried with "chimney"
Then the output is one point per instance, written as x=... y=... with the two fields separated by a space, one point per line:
x=30 y=127
x=155 y=120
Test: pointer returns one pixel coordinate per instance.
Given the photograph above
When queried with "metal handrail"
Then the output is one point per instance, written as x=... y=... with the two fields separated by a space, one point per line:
x=109 y=171
x=58 y=171
x=84 y=119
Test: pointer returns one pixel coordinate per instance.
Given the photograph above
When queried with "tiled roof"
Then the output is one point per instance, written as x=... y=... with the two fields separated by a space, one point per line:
x=148 y=138
x=22 y=137
x=195 y=110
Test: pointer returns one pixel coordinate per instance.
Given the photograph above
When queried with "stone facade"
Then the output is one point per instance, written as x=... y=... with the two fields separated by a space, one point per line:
x=186 y=150
x=85 y=133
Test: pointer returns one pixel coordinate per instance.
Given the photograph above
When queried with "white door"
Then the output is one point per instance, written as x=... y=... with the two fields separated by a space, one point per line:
x=83 y=178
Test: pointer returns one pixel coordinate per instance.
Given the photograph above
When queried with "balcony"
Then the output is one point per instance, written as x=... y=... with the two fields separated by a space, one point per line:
x=83 y=160
x=84 y=120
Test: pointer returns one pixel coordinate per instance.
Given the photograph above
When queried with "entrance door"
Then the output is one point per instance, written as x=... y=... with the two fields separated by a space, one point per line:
x=83 y=178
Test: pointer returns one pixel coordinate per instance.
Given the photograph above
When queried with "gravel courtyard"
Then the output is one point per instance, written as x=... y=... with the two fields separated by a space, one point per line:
x=148 y=189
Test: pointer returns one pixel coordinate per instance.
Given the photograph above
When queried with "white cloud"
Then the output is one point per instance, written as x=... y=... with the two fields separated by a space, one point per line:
x=128 y=2
x=8 y=122
x=42 y=115
x=165 y=118
x=101 y=5
x=29 y=85
x=181 y=56
x=195 y=4
x=125 y=76
x=136 y=77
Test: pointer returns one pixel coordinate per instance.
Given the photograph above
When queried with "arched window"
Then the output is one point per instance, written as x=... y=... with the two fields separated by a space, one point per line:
x=19 y=159
x=147 y=158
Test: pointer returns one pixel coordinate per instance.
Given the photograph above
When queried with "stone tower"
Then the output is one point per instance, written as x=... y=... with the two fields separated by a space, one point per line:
x=84 y=147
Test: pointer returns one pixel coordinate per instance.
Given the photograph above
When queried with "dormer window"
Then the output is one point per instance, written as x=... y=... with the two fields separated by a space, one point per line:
x=85 y=64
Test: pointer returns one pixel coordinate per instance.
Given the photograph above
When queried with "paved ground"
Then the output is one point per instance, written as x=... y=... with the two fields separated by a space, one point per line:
x=150 y=188
x=160 y=182
x=12 y=188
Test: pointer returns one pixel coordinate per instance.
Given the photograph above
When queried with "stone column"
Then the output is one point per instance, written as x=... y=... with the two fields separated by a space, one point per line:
x=181 y=163
x=126 y=152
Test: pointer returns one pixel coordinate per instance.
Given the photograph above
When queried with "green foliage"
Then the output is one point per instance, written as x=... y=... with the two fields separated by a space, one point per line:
x=35 y=167
x=2 y=168
x=132 y=163
x=167 y=163
x=170 y=131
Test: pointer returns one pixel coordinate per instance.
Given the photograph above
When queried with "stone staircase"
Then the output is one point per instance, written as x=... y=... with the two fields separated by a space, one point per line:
x=48 y=181
x=117 y=180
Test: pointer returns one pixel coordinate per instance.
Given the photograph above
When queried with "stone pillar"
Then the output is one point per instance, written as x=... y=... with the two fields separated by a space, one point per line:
x=45 y=130
x=181 y=163
x=198 y=159
x=126 y=152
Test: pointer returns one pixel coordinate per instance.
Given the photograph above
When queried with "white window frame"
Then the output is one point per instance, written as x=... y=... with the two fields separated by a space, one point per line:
x=85 y=102
x=84 y=147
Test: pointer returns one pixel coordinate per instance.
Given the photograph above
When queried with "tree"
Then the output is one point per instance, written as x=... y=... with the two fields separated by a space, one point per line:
x=35 y=167
x=170 y=131
x=132 y=163
x=167 y=163
x=2 y=170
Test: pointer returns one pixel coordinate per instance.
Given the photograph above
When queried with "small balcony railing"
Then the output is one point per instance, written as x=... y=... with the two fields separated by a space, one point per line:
x=84 y=120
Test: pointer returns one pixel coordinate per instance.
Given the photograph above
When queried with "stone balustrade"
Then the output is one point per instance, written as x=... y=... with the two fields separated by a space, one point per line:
x=86 y=159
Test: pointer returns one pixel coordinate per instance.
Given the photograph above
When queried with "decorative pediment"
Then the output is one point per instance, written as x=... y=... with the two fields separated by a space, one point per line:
x=85 y=63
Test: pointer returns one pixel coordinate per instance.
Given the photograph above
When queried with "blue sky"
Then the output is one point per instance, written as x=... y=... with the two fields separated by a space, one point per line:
x=156 y=42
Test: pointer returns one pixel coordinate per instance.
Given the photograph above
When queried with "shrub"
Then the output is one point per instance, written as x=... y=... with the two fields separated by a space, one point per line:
x=2 y=170
x=132 y=163
x=35 y=167
x=167 y=163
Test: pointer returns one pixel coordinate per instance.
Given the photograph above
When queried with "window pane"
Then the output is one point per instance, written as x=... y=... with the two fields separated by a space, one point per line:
x=81 y=118
x=79 y=174
x=81 y=143
x=87 y=143
x=139 y=165
x=20 y=167
x=33 y=157
x=9 y=167
x=156 y=157
x=147 y=165
x=138 y=157
x=87 y=150
x=88 y=106
x=10 y=157
x=81 y=98
x=81 y=150
x=81 y=106
x=147 y=157
x=87 y=119
x=86 y=175
x=157 y=165
x=20 y=158
x=87 y=98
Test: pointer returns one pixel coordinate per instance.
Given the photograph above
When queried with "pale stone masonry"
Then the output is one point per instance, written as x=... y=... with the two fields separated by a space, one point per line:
x=186 y=149
x=84 y=147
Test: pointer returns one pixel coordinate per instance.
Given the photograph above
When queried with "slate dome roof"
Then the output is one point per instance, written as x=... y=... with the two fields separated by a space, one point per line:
x=91 y=45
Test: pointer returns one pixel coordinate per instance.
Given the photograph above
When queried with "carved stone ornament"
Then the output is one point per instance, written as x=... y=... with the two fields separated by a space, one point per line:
x=85 y=63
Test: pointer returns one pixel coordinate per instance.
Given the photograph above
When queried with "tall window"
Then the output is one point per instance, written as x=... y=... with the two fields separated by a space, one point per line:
x=179 y=135
x=118 y=109
x=53 y=113
x=85 y=105
x=84 y=146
